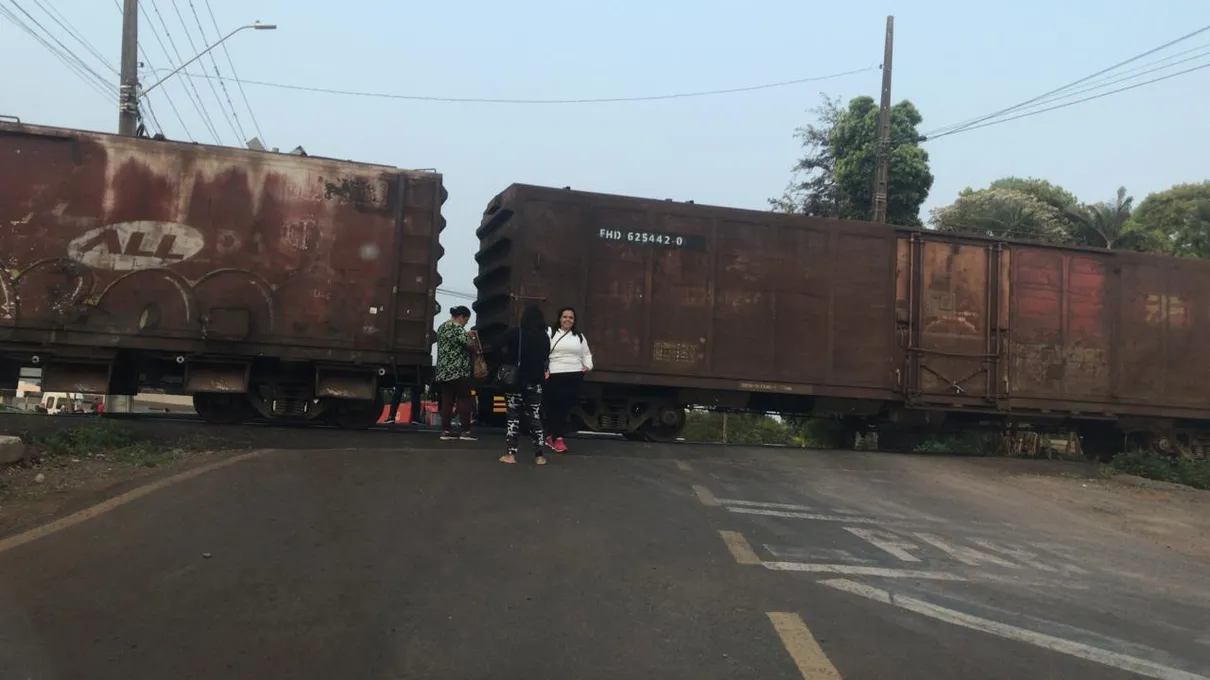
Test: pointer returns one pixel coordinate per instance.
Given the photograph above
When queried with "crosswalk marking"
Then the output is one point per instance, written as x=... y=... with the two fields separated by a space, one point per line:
x=855 y=570
x=1104 y=657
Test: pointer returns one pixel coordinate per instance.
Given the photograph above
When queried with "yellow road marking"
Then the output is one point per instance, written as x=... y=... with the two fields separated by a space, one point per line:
x=684 y=466
x=116 y=502
x=738 y=545
x=704 y=495
x=812 y=663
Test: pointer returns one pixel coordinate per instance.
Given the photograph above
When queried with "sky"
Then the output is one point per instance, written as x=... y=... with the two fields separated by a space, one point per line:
x=953 y=60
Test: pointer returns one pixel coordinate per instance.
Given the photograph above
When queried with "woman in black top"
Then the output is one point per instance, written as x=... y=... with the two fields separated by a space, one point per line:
x=531 y=343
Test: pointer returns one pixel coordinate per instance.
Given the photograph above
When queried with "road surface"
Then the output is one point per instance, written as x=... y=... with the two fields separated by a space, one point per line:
x=432 y=560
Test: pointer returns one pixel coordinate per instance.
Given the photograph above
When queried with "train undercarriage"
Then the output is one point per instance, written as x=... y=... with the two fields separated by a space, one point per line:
x=228 y=389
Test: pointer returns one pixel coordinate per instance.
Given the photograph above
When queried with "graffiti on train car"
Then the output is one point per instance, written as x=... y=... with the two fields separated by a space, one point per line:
x=132 y=246
x=149 y=296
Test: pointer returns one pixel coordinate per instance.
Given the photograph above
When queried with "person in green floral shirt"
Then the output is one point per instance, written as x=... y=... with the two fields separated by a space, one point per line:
x=454 y=371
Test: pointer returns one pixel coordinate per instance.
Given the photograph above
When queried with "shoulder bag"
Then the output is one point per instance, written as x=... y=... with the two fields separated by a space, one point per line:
x=509 y=375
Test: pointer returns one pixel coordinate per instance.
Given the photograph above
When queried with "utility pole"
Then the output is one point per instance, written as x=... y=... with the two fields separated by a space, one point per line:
x=883 y=179
x=128 y=92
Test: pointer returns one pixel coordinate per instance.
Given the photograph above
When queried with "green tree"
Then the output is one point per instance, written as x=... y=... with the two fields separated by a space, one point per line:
x=1044 y=191
x=1002 y=213
x=1178 y=219
x=835 y=177
x=1108 y=225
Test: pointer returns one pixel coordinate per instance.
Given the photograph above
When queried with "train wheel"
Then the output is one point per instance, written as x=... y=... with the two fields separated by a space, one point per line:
x=668 y=427
x=221 y=408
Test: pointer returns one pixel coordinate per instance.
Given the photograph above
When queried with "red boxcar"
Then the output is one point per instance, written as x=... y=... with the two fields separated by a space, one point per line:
x=907 y=329
x=278 y=284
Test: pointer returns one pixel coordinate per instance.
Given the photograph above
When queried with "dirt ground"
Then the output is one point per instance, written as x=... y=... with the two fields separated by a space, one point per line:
x=37 y=491
x=1172 y=516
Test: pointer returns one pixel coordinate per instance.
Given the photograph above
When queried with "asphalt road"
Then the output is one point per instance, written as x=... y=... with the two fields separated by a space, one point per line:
x=432 y=560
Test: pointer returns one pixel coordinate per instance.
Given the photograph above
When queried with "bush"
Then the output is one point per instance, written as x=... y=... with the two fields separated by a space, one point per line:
x=1194 y=473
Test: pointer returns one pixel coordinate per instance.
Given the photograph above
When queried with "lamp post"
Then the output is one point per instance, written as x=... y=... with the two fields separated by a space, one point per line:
x=257 y=26
x=130 y=94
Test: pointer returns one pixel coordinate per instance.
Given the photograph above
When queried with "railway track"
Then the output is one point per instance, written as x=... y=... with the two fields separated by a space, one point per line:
x=278 y=434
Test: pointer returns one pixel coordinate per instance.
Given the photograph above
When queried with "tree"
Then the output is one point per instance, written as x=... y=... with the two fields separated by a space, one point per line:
x=1108 y=225
x=1002 y=213
x=835 y=178
x=1044 y=191
x=1178 y=219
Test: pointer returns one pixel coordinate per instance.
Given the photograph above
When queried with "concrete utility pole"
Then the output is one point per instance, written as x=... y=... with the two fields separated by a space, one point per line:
x=883 y=179
x=128 y=92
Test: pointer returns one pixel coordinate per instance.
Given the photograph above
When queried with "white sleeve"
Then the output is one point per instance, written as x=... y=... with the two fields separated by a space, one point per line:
x=585 y=352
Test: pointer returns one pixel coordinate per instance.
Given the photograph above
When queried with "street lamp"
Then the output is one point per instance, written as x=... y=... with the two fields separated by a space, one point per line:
x=258 y=26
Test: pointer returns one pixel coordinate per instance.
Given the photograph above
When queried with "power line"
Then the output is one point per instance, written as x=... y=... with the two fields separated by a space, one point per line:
x=239 y=134
x=962 y=126
x=193 y=47
x=66 y=50
x=1062 y=106
x=1101 y=85
x=147 y=62
x=235 y=75
x=104 y=88
x=599 y=100
x=167 y=96
x=63 y=23
x=190 y=87
x=457 y=294
x=154 y=118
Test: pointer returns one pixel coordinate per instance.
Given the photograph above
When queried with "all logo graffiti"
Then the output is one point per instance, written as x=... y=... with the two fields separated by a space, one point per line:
x=131 y=246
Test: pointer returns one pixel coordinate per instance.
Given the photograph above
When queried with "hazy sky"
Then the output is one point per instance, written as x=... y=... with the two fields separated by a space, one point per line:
x=954 y=60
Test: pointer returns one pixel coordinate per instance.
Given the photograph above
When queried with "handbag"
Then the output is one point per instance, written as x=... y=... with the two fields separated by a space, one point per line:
x=478 y=363
x=509 y=375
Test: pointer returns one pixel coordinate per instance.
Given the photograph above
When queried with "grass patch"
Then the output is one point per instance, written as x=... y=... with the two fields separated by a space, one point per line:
x=1194 y=473
x=110 y=440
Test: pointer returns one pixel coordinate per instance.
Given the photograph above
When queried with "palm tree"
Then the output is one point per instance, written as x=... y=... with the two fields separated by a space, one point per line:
x=1107 y=224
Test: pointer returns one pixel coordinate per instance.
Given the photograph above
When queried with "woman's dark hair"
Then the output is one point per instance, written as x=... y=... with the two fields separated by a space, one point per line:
x=558 y=324
x=532 y=319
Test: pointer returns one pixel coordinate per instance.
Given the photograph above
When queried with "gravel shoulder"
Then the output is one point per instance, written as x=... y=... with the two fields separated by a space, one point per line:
x=1171 y=516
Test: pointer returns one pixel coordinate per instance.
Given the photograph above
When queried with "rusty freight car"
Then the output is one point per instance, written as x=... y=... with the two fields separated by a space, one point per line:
x=267 y=284
x=905 y=330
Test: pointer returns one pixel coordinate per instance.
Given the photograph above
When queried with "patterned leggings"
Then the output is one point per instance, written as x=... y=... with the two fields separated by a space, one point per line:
x=530 y=399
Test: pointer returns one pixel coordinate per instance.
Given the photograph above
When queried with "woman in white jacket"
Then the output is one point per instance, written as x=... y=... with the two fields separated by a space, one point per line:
x=570 y=359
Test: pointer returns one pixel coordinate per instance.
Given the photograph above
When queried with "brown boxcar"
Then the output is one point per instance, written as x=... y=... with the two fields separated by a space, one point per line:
x=287 y=285
x=907 y=329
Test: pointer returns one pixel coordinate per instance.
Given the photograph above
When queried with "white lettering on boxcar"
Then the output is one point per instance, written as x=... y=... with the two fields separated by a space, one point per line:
x=131 y=246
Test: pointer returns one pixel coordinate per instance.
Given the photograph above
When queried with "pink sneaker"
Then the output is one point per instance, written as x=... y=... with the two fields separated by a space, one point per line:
x=560 y=445
x=550 y=443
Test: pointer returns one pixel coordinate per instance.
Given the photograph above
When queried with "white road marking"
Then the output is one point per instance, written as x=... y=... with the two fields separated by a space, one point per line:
x=705 y=496
x=815 y=554
x=855 y=570
x=762 y=504
x=1104 y=657
x=684 y=466
x=739 y=547
x=803 y=515
x=1019 y=554
x=886 y=541
x=968 y=556
x=808 y=656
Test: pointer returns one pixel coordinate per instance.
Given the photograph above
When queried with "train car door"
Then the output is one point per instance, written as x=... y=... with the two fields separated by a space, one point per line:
x=951 y=292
